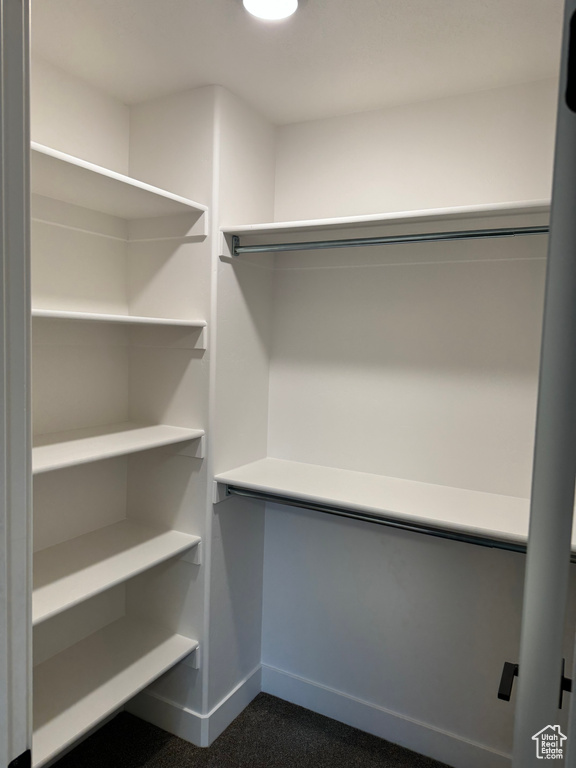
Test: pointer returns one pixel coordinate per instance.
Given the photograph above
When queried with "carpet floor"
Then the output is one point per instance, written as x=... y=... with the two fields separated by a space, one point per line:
x=270 y=733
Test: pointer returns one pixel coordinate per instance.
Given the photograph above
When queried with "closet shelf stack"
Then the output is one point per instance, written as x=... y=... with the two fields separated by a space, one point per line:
x=96 y=642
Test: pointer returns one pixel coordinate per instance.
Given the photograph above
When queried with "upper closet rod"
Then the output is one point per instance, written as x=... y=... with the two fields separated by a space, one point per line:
x=430 y=237
x=391 y=522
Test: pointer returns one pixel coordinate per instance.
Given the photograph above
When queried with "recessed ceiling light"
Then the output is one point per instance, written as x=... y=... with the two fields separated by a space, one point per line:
x=271 y=9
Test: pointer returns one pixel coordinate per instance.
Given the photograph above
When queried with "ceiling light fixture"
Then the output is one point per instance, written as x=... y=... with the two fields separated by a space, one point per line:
x=271 y=9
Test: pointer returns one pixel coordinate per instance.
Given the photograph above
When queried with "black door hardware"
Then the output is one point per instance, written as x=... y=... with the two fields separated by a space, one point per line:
x=510 y=671
x=565 y=685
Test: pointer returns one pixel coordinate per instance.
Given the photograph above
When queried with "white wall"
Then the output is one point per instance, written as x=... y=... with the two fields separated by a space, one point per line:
x=492 y=146
x=72 y=116
x=207 y=145
x=172 y=146
x=418 y=362
x=413 y=365
x=172 y=143
x=398 y=634
x=242 y=320
x=245 y=168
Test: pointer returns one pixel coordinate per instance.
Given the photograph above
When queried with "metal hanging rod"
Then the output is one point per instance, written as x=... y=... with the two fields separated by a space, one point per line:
x=390 y=522
x=429 y=237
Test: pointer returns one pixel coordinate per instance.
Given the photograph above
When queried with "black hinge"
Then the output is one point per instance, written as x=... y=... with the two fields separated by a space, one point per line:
x=510 y=671
x=24 y=761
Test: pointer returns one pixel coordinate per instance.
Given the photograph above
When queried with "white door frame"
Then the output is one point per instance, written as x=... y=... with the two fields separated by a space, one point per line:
x=552 y=500
x=15 y=442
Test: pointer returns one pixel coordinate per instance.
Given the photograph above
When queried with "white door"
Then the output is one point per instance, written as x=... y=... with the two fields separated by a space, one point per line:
x=537 y=735
x=15 y=571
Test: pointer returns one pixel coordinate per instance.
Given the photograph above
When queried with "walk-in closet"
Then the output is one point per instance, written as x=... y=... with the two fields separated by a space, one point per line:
x=286 y=292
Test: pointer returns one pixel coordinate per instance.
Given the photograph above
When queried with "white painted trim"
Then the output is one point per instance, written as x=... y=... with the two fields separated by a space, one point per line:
x=15 y=465
x=396 y=217
x=201 y=730
x=233 y=704
x=170 y=716
x=392 y=726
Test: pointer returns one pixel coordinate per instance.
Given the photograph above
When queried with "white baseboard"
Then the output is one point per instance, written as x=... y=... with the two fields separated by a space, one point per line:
x=202 y=730
x=419 y=737
x=230 y=707
x=198 y=729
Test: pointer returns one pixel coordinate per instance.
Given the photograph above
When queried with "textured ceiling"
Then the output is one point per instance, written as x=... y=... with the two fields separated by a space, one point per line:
x=332 y=57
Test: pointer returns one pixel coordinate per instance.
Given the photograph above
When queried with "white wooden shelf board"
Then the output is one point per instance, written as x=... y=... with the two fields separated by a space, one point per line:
x=80 y=446
x=488 y=515
x=72 y=180
x=324 y=226
x=97 y=317
x=79 y=687
x=70 y=572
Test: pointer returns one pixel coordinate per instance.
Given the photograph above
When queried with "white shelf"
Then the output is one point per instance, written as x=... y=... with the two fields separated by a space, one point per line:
x=80 y=446
x=68 y=573
x=473 y=513
x=98 y=317
x=63 y=177
x=464 y=212
x=76 y=689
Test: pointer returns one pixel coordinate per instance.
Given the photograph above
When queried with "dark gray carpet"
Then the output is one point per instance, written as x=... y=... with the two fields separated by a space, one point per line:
x=270 y=733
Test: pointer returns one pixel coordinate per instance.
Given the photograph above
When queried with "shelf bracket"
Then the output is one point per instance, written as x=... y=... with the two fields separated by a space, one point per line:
x=195 y=450
x=193 y=660
x=219 y=492
x=194 y=555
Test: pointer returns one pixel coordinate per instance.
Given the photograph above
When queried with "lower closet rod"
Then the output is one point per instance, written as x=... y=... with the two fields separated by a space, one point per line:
x=390 y=522
x=427 y=237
